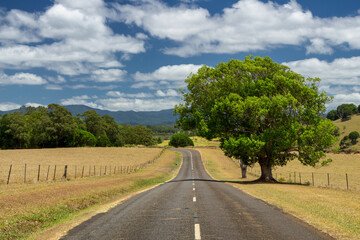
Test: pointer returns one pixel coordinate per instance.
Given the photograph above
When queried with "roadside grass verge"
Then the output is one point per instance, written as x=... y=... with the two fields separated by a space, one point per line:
x=334 y=211
x=26 y=209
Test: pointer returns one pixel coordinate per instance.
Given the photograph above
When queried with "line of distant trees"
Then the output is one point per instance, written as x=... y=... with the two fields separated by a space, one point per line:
x=343 y=112
x=55 y=126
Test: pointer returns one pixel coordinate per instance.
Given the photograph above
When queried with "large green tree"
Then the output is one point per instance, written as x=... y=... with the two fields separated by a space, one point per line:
x=63 y=126
x=346 y=110
x=262 y=112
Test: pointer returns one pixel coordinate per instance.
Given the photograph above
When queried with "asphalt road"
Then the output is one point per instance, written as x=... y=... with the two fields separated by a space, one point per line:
x=194 y=206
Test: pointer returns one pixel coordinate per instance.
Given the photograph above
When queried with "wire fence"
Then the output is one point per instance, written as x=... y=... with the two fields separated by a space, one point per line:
x=348 y=181
x=33 y=173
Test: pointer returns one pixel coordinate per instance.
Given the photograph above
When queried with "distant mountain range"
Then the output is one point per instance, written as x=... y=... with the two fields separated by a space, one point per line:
x=163 y=117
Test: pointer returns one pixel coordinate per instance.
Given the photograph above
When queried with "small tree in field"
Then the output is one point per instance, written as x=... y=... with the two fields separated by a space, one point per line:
x=353 y=136
x=261 y=111
x=180 y=140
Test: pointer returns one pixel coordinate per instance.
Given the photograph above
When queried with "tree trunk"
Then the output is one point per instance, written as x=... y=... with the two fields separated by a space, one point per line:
x=243 y=169
x=266 y=171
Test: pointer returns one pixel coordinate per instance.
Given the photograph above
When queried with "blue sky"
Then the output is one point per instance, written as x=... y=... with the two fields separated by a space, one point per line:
x=135 y=55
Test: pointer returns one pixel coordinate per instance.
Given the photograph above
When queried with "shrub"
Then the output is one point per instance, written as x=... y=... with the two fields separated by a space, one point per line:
x=336 y=132
x=332 y=115
x=326 y=162
x=84 y=138
x=353 y=136
x=103 y=141
x=159 y=140
x=180 y=140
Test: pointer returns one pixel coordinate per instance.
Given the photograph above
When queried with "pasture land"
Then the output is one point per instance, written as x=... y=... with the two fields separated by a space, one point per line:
x=334 y=211
x=346 y=127
x=80 y=161
x=29 y=208
x=198 y=142
x=332 y=175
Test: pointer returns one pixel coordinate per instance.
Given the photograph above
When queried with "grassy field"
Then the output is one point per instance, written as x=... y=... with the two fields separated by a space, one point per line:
x=346 y=127
x=93 y=160
x=29 y=208
x=198 y=142
x=331 y=175
x=334 y=211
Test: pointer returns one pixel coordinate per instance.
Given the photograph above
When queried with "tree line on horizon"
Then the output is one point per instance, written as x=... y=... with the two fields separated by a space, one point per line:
x=343 y=112
x=55 y=126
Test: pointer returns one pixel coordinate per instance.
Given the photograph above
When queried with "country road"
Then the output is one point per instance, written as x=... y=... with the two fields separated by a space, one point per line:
x=194 y=206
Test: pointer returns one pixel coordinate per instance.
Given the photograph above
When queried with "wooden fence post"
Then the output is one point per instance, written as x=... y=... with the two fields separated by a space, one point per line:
x=25 y=174
x=328 y=175
x=82 y=173
x=38 y=178
x=54 y=173
x=9 y=174
x=347 y=182
x=65 y=172
x=313 y=182
x=94 y=171
x=47 y=175
x=300 y=177
x=295 y=177
x=100 y=170
x=75 y=171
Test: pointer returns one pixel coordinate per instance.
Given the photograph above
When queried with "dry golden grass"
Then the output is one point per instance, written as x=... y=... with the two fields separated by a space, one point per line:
x=198 y=142
x=346 y=127
x=219 y=166
x=19 y=200
x=203 y=142
x=341 y=165
x=76 y=158
x=336 y=212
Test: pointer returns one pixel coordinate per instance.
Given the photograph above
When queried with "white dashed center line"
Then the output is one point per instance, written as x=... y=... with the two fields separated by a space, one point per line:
x=192 y=164
x=194 y=199
x=197 y=232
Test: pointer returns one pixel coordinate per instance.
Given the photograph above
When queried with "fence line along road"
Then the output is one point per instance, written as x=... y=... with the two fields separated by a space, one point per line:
x=345 y=181
x=32 y=173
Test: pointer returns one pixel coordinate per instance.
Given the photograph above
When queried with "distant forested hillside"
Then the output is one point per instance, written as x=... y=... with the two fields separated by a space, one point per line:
x=164 y=117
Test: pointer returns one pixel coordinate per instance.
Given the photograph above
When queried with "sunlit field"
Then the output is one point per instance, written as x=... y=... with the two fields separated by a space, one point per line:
x=80 y=162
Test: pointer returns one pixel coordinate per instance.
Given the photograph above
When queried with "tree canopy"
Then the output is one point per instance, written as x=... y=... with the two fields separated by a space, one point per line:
x=55 y=126
x=261 y=111
x=343 y=111
x=180 y=140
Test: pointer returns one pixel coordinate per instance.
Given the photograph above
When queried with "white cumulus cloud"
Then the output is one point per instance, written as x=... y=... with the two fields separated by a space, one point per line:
x=247 y=25
x=119 y=94
x=108 y=75
x=339 y=78
x=21 y=79
x=165 y=76
x=69 y=37
x=167 y=93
